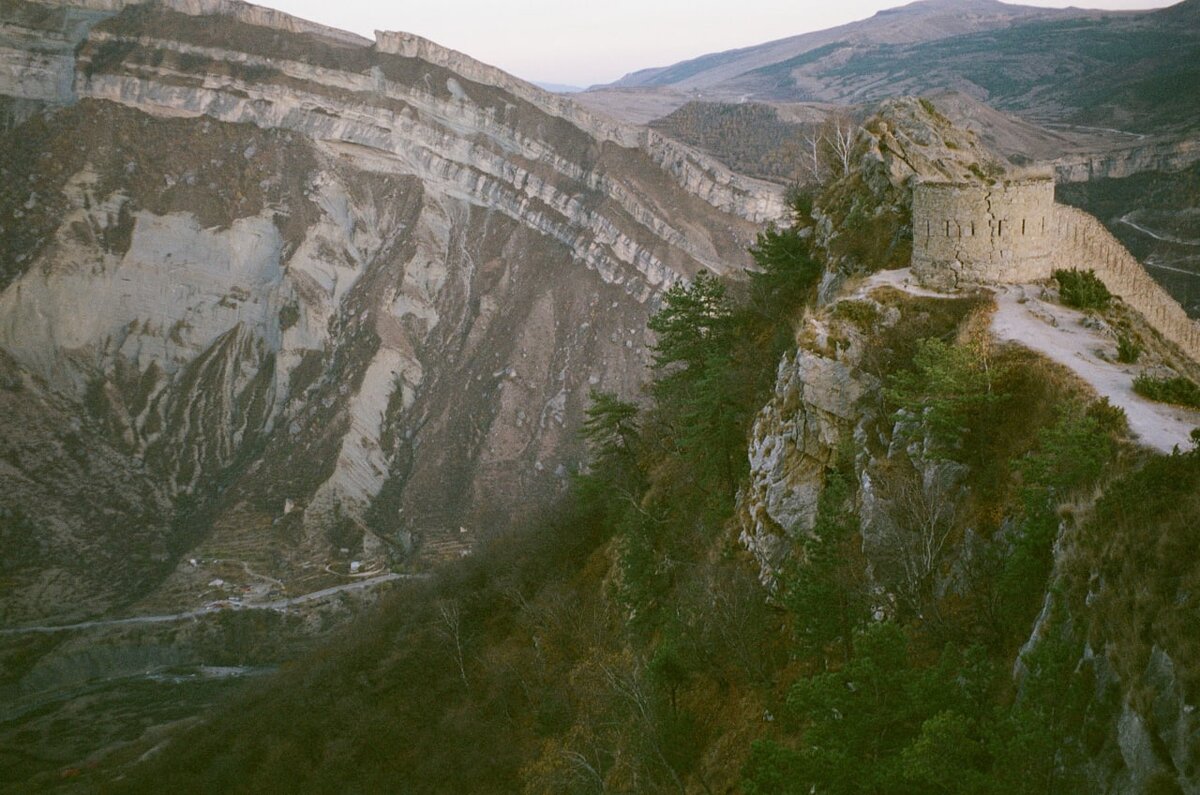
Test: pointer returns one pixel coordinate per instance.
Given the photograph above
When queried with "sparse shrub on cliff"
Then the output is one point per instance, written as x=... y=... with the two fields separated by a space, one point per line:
x=289 y=316
x=1111 y=419
x=948 y=385
x=1129 y=350
x=1178 y=390
x=863 y=314
x=108 y=55
x=1082 y=289
x=933 y=112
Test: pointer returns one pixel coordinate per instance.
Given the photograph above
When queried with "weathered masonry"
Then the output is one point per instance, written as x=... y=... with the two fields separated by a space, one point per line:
x=1013 y=232
x=983 y=233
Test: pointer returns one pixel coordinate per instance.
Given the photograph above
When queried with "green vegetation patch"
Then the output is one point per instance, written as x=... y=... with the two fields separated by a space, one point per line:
x=749 y=137
x=863 y=314
x=1134 y=565
x=1176 y=389
x=1129 y=349
x=1082 y=289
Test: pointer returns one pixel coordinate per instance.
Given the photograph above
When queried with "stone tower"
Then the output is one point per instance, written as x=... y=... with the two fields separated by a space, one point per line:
x=980 y=233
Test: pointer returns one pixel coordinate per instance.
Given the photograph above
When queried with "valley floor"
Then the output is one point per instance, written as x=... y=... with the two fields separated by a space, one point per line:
x=278 y=605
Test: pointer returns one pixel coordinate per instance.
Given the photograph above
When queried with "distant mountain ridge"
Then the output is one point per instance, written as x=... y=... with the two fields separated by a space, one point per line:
x=924 y=20
x=1130 y=70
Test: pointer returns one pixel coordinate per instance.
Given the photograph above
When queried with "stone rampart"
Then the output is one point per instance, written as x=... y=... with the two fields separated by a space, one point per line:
x=983 y=233
x=1084 y=244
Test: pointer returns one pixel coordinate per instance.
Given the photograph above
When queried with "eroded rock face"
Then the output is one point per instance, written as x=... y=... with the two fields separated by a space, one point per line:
x=82 y=523
x=796 y=437
x=272 y=265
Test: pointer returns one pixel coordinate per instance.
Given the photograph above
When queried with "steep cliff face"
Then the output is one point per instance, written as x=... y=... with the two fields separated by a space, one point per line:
x=814 y=412
x=331 y=299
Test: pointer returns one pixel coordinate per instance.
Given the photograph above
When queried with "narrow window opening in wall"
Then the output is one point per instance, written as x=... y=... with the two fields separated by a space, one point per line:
x=1022 y=226
x=972 y=229
x=1043 y=223
x=947 y=229
x=928 y=230
x=958 y=227
x=999 y=229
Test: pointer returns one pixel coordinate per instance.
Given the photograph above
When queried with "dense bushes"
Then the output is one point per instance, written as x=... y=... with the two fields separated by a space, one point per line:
x=1129 y=350
x=1136 y=571
x=1178 y=390
x=1082 y=289
x=890 y=722
x=947 y=386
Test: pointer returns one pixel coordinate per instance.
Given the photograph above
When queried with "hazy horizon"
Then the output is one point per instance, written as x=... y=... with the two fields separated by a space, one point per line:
x=567 y=44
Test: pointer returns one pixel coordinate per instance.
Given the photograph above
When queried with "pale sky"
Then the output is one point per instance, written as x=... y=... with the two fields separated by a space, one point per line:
x=582 y=43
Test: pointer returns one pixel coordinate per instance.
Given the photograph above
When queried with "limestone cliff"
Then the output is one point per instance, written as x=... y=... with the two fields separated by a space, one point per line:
x=333 y=299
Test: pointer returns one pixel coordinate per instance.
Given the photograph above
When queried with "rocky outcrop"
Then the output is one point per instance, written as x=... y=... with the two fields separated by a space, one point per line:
x=330 y=298
x=795 y=439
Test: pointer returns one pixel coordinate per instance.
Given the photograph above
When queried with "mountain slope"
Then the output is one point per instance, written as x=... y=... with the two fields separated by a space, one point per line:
x=924 y=20
x=1127 y=71
x=1132 y=71
x=331 y=299
x=963 y=574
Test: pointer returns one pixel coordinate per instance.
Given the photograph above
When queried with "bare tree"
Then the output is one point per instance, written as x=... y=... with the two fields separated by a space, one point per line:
x=629 y=685
x=811 y=163
x=840 y=134
x=451 y=628
x=913 y=533
x=828 y=149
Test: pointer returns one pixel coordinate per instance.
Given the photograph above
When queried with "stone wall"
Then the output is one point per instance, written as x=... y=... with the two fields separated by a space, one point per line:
x=983 y=233
x=1083 y=243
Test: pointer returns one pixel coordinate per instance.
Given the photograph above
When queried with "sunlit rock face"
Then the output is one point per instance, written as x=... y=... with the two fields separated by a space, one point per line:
x=255 y=263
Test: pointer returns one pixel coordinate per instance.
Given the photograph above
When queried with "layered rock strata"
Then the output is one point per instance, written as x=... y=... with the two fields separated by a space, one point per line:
x=334 y=299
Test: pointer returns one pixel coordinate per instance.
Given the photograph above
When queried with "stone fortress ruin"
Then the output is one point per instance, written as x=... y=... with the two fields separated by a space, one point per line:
x=1013 y=232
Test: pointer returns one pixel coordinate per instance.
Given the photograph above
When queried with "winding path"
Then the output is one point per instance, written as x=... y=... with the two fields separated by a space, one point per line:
x=1163 y=237
x=1058 y=333
x=277 y=605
